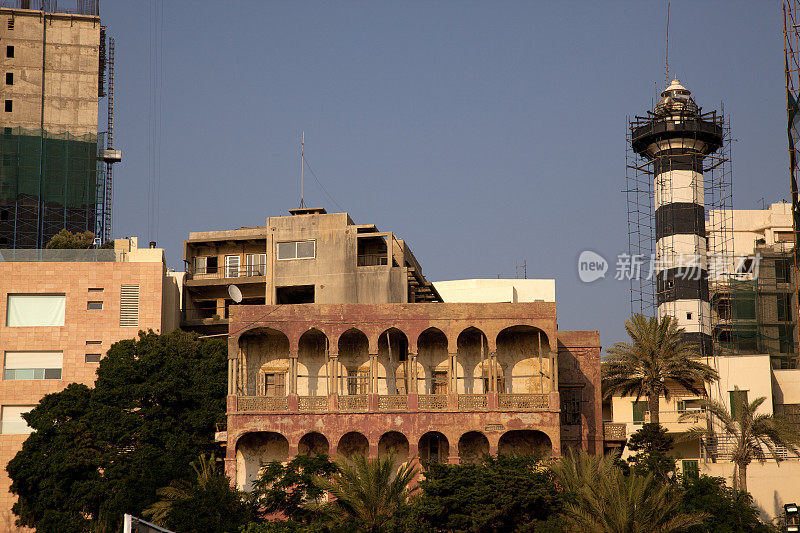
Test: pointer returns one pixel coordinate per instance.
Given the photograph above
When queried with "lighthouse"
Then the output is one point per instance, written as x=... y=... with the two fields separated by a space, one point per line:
x=675 y=138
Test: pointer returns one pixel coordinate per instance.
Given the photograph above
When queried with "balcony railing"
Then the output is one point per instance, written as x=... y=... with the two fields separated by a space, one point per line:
x=223 y=272
x=350 y=403
x=363 y=260
x=614 y=431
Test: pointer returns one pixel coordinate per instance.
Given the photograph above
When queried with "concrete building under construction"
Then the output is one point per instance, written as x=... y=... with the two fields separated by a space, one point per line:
x=54 y=166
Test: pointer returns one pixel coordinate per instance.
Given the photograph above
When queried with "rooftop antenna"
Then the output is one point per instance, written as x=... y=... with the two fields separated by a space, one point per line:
x=666 y=54
x=302 y=166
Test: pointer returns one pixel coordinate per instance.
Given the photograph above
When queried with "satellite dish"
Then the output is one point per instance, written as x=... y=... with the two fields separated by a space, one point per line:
x=235 y=293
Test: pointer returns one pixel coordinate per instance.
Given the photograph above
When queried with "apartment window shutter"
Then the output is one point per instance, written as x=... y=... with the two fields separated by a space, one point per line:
x=129 y=306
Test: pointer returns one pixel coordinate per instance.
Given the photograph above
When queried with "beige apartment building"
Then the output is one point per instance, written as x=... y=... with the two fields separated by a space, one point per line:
x=310 y=256
x=60 y=311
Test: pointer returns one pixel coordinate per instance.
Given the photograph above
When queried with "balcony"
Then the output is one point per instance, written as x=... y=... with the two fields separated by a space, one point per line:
x=362 y=403
x=614 y=432
x=225 y=275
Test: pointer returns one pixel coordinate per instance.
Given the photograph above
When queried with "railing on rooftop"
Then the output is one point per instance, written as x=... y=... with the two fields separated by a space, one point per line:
x=94 y=255
x=81 y=7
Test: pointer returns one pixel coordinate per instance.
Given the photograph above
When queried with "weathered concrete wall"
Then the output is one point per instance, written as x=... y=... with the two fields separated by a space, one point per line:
x=579 y=368
x=71 y=66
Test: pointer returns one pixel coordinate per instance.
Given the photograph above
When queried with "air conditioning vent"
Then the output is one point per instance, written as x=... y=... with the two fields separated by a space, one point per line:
x=129 y=306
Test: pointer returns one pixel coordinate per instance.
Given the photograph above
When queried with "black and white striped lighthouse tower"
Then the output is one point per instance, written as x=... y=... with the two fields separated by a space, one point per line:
x=676 y=137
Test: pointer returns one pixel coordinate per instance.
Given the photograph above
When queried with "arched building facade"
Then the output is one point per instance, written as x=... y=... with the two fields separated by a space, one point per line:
x=438 y=381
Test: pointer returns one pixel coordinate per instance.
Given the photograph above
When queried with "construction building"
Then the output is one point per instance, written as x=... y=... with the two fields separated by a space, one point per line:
x=310 y=256
x=353 y=351
x=54 y=167
x=755 y=306
x=61 y=311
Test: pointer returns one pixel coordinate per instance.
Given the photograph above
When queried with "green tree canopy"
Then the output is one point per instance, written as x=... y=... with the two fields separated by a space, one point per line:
x=652 y=444
x=502 y=493
x=66 y=240
x=728 y=510
x=97 y=453
x=656 y=355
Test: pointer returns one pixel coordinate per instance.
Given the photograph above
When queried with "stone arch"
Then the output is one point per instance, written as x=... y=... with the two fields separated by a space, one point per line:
x=472 y=447
x=433 y=448
x=313 y=443
x=354 y=362
x=392 y=361
x=472 y=348
x=353 y=443
x=394 y=443
x=266 y=351
x=524 y=355
x=312 y=367
x=253 y=451
x=525 y=442
x=433 y=358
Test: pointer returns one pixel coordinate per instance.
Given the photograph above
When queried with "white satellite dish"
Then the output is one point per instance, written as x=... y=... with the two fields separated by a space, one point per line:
x=235 y=293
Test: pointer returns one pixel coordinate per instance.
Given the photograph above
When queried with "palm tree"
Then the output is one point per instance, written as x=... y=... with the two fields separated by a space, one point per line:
x=657 y=354
x=603 y=500
x=366 y=492
x=752 y=434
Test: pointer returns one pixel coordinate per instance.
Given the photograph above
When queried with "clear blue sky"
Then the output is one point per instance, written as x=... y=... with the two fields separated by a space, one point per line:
x=483 y=133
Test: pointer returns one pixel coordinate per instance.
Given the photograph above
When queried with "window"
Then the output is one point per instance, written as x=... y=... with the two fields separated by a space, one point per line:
x=95 y=289
x=93 y=343
x=784 y=236
x=439 y=382
x=786 y=338
x=9 y=106
x=28 y=310
x=205 y=265
x=571 y=406
x=275 y=384
x=745 y=265
x=738 y=398
x=297 y=250
x=33 y=365
x=129 y=306
x=688 y=316
x=92 y=357
x=295 y=294
x=9 y=78
x=690 y=468
x=232 y=266
x=639 y=409
x=9 y=51
x=784 y=307
x=11 y=421
x=11 y=23
x=256 y=264
x=783 y=270
x=94 y=306
x=357 y=381
x=681 y=406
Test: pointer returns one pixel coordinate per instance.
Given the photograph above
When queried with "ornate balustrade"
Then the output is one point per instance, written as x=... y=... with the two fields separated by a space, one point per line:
x=357 y=402
x=614 y=431
x=471 y=402
x=524 y=402
x=432 y=402
x=312 y=403
x=262 y=403
x=393 y=402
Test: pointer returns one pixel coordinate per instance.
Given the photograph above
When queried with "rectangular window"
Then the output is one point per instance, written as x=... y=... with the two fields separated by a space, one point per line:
x=9 y=78
x=784 y=307
x=297 y=250
x=205 y=265
x=9 y=106
x=11 y=23
x=275 y=384
x=681 y=406
x=690 y=468
x=783 y=270
x=786 y=338
x=129 y=306
x=256 y=264
x=29 y=310
x=738 y=398
x=9 y=51
x=639 y=409
x=232 y=266
x=439 y=382
x=33 y=365
x=93 y=343
x=784 y=236
x=94 y=306
x=571 y=406
x=92 y=357
x=95 y=289
x=11 y=421
x=296 y=294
